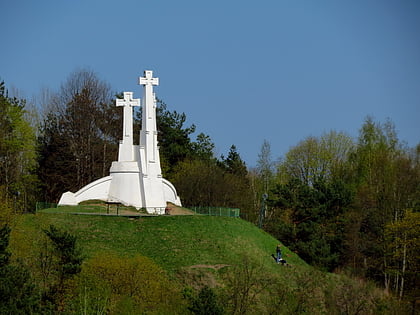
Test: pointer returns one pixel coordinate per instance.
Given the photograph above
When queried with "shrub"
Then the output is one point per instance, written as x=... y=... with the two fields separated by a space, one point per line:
x=18 y=294
x=117 y=285
x=206 y=303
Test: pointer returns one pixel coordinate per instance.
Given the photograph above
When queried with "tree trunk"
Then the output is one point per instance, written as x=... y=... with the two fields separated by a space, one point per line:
x=386 y=276
x=403 y=266
x=104 y=160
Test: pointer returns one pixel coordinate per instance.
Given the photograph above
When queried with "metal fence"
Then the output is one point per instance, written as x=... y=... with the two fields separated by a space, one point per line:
x=44 y=205
x=111 y=208
x=97 y=208
x=216 y=211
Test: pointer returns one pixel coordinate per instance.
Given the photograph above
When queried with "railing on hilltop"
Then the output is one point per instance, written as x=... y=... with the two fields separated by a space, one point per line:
x=115 y=208
x=98 y=207
x=44 y=205
x=216 y=211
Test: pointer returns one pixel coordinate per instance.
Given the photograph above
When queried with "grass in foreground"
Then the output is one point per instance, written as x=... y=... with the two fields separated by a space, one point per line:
x=171 y=241
x=198 y=251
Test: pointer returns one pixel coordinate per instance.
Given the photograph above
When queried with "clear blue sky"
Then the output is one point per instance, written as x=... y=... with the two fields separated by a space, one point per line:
x=242 y=71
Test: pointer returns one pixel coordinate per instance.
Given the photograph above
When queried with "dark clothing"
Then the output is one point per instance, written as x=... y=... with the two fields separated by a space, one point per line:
x=278 y=252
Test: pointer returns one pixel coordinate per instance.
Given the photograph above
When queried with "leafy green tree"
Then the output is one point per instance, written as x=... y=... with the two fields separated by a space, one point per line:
x=206 y=303
x=309 y=219
x=125 y=285
x=261 y=180
x=70 y=257
x=17 y=152
x=403 y=251
x=316 y=159
x=234 y=163
x=7 y=214
x=313 y=194
x=67 y=263
x=78 y=136
x=238 y=178
x=203 y=147
x=265 y=167
x=386 y=177
x=201 y=183
x=56 y=161
x=173 y=137
x=244 y=284
x=4 y=243
x=18 y=294
x=208 y=183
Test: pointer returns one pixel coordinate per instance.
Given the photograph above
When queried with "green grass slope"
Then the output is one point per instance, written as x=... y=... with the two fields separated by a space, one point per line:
x=197 y=251
x=173 y=242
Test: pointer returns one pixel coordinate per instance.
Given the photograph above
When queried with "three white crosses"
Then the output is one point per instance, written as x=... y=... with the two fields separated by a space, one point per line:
x=149 y=129
x=136 y=178
x=155 y=190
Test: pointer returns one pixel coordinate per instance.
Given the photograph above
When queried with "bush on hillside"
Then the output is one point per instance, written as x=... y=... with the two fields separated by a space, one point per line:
x=18 y=293
x=121 y=285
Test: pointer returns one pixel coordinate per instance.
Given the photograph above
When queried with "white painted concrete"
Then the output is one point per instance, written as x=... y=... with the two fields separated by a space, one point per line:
x=136 y=178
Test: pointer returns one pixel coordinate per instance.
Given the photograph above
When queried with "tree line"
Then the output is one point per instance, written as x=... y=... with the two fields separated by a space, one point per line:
x=352 y=204
x=340 y=203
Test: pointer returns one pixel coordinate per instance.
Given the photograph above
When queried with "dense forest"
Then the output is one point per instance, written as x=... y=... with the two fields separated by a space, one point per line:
x=340 y=203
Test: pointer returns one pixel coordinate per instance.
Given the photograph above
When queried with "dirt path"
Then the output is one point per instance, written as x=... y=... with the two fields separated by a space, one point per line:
x=215 y=267
x=176 y=210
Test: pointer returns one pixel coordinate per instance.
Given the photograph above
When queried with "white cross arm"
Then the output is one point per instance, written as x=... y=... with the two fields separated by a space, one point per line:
x=128 y=100
x=148 y=79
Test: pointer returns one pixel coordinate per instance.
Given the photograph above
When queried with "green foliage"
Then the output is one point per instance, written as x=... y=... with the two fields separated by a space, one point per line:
x=7 y=213
x=335 y=199
x=203 y=147
x=17 y=152
x=231 y=253
x=310 y=219
x=357 y=297
x=206 y=183
x=265 y=166
x=244 y=285
x=58 y=267
x=206 y=303
x=173 y=136
x=55 y=159
x=386 y=177
x=315 y=159
x=70 y=258
x=4 y=243
x=18 y=294
x=234 y=164
x=175 y=142
x=307 y=294
x=126 y=285
x=403 y=253
x=78 y=138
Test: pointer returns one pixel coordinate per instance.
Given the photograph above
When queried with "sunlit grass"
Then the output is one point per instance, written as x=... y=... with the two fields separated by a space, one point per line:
x=171 y=241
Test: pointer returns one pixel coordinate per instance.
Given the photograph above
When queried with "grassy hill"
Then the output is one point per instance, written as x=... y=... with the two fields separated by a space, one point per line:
x=227 y=253
x=172 y=242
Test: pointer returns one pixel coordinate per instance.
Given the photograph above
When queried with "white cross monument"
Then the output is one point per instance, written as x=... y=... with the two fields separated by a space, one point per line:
x=136 y=178
x=127 y=153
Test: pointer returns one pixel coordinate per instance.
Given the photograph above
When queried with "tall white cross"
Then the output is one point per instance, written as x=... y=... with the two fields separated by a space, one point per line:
x=128 y=102
x=148 y=79
x=148 y=96
x=148 y=133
